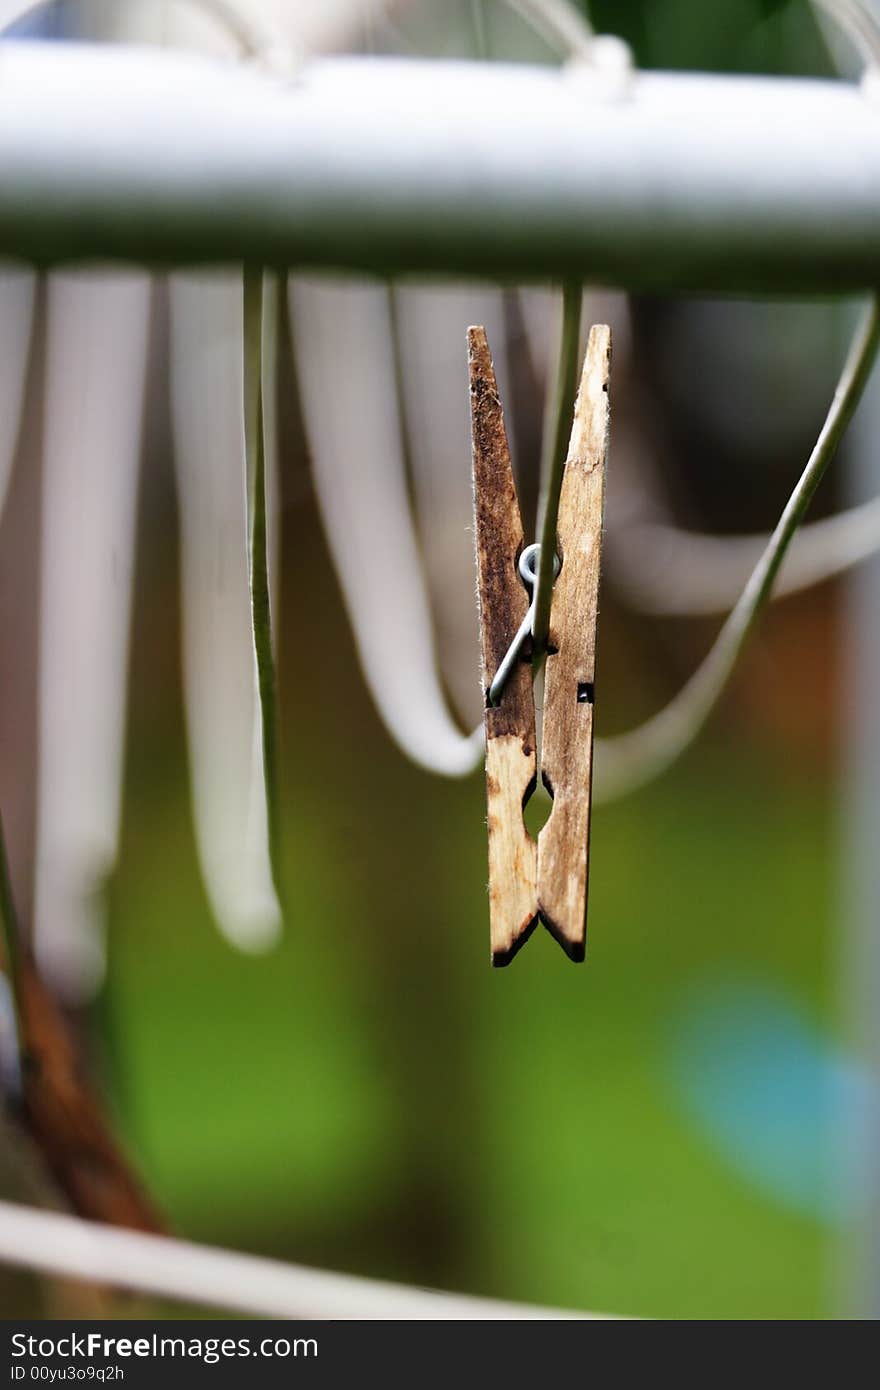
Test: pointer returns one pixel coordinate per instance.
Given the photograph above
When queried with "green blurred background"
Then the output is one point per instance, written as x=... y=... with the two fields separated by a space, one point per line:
x=371 y=1096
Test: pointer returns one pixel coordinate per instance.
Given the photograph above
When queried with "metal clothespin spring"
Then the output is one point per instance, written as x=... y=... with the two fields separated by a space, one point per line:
x=528 y=569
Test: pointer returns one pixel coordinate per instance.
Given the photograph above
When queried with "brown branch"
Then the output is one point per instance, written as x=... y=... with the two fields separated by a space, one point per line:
x=54 y=1101
x=64 y=1118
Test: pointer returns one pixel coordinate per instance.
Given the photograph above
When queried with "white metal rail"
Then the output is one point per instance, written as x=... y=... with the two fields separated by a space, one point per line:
x=654 y=181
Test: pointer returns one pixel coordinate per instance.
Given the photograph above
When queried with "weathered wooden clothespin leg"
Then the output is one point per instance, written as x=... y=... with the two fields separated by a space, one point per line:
x=511 y=762
x=569 y=681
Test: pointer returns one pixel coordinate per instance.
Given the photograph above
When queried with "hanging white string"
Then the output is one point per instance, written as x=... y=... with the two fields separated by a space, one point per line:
x=663 y=570
x=225 y=674
x=97 y=331
x=220 y=681
x=96 y=355
x=16 y=316
x=346 y=373
x=436 y=425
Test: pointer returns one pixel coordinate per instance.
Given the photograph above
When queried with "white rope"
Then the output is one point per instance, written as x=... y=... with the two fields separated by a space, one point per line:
x=437 y=426
x=97 y=331
x=220 y=681
x=346 y=373
x=71 y=1248
x=668 y=572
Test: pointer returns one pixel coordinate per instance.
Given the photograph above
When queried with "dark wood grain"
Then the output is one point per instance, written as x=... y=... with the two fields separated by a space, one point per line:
x=511 y=763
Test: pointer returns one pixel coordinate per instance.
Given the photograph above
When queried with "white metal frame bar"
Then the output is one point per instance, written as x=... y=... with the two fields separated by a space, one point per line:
x=658 y=181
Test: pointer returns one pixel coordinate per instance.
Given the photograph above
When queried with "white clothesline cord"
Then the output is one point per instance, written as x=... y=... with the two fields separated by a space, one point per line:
x=669 y=572
x=345 y=367
x=97 y=337
x=219 y=666
x=436 y=425
x=627 y=760
x=68 y=1247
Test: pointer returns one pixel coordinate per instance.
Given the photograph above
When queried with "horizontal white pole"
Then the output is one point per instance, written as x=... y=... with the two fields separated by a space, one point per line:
x=674 y=182
x=72 y=1248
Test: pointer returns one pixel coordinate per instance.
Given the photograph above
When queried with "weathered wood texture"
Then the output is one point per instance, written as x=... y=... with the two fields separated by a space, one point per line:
x=511 y=765
x=569 y=688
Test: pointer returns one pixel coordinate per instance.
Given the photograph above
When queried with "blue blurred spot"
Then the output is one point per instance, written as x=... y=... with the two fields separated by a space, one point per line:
x=769 y=1092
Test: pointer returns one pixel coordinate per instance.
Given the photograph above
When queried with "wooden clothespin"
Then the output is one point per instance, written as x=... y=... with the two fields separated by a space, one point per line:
x=547 y=880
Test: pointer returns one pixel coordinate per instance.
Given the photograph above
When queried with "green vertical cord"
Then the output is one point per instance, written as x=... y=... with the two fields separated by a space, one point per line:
x=260 y=362
x=557 y=428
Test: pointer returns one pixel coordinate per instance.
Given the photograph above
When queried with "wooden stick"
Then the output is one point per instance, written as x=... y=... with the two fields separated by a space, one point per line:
x=51 y=1096
x=569 y=683
x=511 y=762
x=62 y=1115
